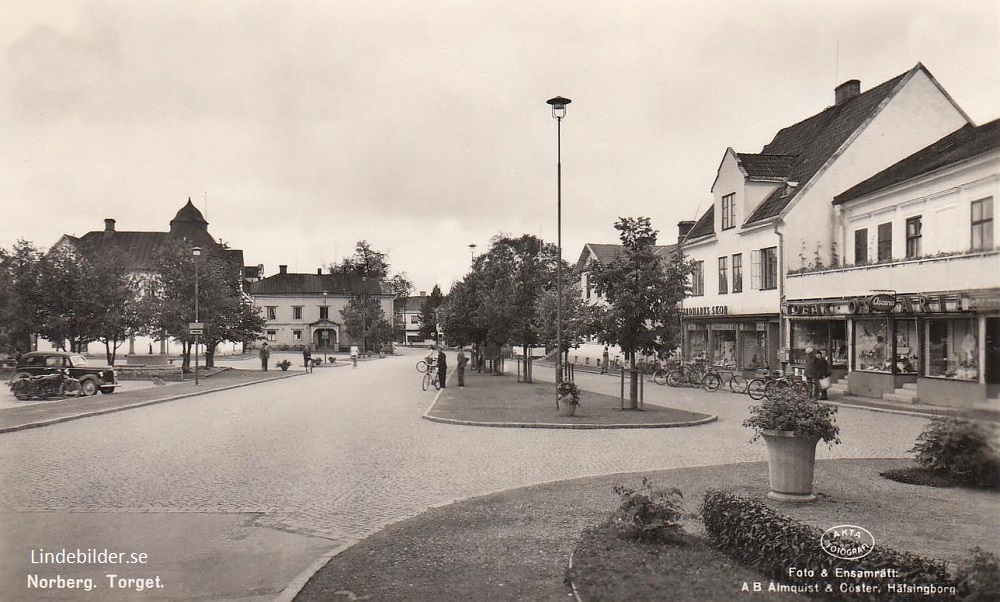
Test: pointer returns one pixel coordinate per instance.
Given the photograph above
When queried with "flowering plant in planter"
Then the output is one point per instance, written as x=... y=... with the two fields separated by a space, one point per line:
x=567 y=392
x=283 y=364
x=791 y=410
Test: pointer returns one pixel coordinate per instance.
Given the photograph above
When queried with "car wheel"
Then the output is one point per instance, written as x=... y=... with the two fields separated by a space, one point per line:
x=71 y=388
x=88 y=387
x=107 y=390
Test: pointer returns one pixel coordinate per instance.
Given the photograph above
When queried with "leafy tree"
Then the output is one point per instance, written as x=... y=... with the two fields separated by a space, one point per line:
x=226 y=312
x=642 y=295
x=429 y=313
x=117 y=296
x=365 y=322
x=19 y=296
x=69 y=305
x=460 y=315
x=366 y=262
x=576 y=315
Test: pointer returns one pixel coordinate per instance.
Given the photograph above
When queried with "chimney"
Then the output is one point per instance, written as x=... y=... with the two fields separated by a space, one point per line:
x=423 y=293
x=319 y=271
x=847 y=91
x=682 y=230
x=282 y=269
x=109 y=227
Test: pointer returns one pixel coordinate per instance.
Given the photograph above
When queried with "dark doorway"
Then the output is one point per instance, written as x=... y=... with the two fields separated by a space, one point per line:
x=993 y=351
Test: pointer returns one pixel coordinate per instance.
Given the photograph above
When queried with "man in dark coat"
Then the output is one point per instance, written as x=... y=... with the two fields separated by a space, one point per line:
x=822 y=371
x=812 y=373
x=442 y=366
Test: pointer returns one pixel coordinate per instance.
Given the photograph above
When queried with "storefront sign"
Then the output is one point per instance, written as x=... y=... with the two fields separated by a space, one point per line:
x=885 y=303
x=713 y=310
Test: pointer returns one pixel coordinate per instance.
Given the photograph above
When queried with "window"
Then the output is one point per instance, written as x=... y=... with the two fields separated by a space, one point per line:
x=272 y=335
x=738 y=273
x=871 y=345
x=297 y=312
x=861 y=246
x=885 y=241
x=414 y=318
x=724 y=347
x=296 y=335
x=698 y=279
x=723 y=276
x=953 y=349
x=769 y=268
x=272 y=312
x=913 y=227
x=324 y=312
x=729 y=211
x=982 y=224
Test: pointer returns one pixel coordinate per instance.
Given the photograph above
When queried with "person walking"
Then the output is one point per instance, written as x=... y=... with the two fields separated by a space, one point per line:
x=442 y=366
x=462 y=361
x=265 y=354
x=604 y=360
x=822 y=372
x=811 y=371
x=307 y=358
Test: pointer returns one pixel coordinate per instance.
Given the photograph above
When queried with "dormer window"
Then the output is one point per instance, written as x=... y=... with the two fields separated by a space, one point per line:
x=729 y=211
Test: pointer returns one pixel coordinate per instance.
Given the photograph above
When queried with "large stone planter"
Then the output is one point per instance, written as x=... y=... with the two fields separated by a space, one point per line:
x=566 y=406
x=791 y=462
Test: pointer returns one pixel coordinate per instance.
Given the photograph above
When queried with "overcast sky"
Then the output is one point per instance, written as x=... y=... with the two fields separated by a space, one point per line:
x=300 y=127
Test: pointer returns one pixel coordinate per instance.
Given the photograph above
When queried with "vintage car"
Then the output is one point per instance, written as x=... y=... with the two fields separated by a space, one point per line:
x=93 y=377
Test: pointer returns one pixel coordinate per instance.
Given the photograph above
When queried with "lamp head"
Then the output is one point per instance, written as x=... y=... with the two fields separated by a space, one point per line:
x=558 y=106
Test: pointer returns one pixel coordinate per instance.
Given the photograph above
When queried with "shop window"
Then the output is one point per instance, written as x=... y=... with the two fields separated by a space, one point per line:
x=697 y=344
x=724 y=348
x=297 y=312
x=871 y=345
x=907 y=337
x=755 y=350
x=272 y=312
x=982 y=225
x=809 y=335
x=913 y=228
x=738 y=273
x=953 y=349
x=698 y=279
x=885 y=241
x=861 y=246
x=723 y=275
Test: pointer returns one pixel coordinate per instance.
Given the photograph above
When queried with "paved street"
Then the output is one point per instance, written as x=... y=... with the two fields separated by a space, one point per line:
x=302 y=465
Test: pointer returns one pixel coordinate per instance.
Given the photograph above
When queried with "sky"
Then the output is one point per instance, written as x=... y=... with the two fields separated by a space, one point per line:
x=301 y=127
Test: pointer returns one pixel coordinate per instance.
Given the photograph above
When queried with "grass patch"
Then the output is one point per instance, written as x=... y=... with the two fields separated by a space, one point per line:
x=607 y=567
x=917 y=475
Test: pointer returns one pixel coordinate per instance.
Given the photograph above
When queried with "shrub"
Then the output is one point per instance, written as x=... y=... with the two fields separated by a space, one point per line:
x=648 y=514
x=790 y=409
x=762 y=538
x=964 y=449
x=568 y=392
x=979 y=577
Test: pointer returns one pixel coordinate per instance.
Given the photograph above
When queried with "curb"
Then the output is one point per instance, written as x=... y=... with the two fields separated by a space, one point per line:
x=31 y=425
x=292 y=589
x=558 y=425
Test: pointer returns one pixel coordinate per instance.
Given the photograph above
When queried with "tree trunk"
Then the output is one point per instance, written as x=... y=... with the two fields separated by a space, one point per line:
x=633 y=384
x=210 y=354
x=185 y=356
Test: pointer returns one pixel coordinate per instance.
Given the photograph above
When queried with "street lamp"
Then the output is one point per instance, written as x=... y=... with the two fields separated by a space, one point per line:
x=196 y=252
x=472 y=251
x=558 y=105
x=326 y=315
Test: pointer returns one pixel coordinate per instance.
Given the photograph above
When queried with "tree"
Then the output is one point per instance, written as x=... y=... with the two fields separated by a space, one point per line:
x=365 y=322
x=429 y=313
x=118 y=295
x=366 y=262
x=19 y=297
x=70 y=309
x=642 y=295
x=226 y=312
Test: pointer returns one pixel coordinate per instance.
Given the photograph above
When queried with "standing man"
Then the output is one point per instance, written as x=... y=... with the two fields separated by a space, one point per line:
x=604 y=360
x=822 y=372
x=442 y=366
x=307 y=358
x=265 y=354
x=812 y=374
x=462 y=361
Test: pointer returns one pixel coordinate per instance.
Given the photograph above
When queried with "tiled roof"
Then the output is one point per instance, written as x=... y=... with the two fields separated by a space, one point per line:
x=138 y=248
x=316 y=284
x=605 y=253
x=705 y=226
x=766 y=167
x=813 y=141
x=413 y=303
x=964 y=143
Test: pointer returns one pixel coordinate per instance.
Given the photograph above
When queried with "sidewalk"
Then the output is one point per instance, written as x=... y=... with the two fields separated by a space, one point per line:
x=52 y=412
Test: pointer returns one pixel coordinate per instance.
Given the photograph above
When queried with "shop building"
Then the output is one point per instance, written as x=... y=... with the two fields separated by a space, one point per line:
x=772 y=213
x=917 y=300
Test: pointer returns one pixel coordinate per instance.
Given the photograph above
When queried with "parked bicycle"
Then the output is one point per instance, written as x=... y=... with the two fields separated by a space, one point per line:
x=429 y=368
x=688 y=375
x=766 y=385
x=716 y=378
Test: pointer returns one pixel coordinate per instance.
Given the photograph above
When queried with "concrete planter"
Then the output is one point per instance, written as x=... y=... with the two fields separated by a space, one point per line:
x=791 y=462
x=566 y=406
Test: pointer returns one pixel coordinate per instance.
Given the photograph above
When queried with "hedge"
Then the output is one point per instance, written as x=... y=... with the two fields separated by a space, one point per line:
x=758 y=536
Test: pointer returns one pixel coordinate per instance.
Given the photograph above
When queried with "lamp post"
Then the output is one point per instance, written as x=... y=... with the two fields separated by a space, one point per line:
x=196 y=252
x=558 y=105
x=326 y=316
x=472 y=251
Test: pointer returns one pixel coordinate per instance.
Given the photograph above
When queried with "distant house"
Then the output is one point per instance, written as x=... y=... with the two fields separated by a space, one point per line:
x=304 y=309
x=140 y=249
x=410 y=308
x=603 y=252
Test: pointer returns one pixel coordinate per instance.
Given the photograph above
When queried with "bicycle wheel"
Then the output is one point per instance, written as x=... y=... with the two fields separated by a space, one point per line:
x=801 y=388
x=711 y=382
x=421 y=366
x=775 y=388
x=426 y=381
x=675 y=378
x=660 y=377
x=756 y=388
x=737 y=384
x=71 y=388
x=694 y=379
